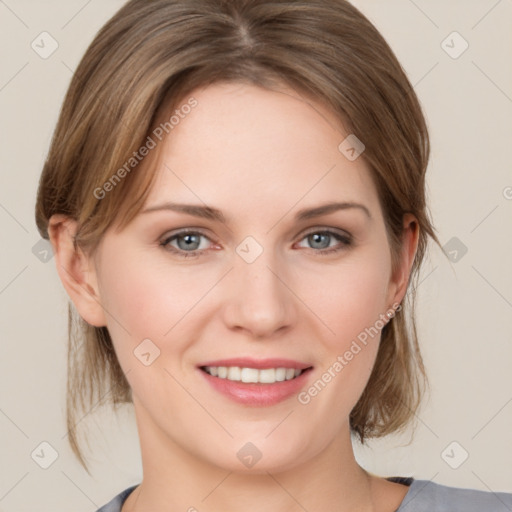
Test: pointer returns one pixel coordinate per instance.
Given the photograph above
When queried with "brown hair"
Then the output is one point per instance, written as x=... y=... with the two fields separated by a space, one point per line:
x=143 y=62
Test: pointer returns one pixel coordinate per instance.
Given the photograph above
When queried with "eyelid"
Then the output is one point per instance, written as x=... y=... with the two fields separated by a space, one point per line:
x=328 y=229
x=183 y=231
x=344 y=239
x=165 y=243
x=313 y=229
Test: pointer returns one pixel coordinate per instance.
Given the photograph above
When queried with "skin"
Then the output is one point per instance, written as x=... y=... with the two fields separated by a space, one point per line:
x=259 y=156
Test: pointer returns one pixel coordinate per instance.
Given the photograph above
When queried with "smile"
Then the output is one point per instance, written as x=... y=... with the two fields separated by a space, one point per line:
x=253 y=375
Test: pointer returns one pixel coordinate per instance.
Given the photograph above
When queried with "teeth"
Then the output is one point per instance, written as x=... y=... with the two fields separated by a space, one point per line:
x=280 y=374
x=253 y=375
x=267 y=376
x=234 y=373
x=249 y=375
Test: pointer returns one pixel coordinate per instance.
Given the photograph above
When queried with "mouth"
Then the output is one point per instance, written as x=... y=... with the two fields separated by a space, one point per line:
x=256 y=382
x=254 y=375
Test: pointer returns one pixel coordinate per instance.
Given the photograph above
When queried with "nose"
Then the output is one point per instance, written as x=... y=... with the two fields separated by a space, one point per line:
x=261 y=301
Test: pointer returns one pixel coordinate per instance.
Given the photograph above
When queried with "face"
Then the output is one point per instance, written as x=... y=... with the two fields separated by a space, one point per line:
x=258 y=284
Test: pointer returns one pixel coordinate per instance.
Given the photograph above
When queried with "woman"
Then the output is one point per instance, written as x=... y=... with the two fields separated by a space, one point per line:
x=235 y=195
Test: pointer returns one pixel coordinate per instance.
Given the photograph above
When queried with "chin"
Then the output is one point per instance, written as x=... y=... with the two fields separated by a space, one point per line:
x=260 y=456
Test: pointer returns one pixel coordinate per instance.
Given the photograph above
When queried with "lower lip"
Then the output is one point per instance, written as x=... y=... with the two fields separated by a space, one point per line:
x=257 y=394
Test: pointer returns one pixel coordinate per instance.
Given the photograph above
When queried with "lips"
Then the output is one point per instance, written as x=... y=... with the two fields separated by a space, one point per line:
x=256 y=382
x=246 y=362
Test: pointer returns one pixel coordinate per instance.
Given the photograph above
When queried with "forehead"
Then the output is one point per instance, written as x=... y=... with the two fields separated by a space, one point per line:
x=251 y=148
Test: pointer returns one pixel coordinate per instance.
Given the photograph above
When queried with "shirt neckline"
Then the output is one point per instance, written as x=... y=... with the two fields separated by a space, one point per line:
x=405 y=480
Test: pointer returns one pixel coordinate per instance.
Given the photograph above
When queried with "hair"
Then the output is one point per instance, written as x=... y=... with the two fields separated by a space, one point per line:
x=144 y=61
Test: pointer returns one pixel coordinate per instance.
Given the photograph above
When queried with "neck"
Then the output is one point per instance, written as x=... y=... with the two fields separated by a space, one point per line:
x=175 y=479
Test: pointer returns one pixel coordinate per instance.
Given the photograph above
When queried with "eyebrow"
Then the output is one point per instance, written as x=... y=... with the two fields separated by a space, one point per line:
x=210 y=213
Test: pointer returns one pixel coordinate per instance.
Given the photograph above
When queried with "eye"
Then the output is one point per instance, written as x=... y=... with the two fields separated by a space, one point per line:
x=186 y=243
x=321 y=240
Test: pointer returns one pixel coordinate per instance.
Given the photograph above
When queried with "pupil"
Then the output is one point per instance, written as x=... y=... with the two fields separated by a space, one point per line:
x=189 y=239
x=316 y=238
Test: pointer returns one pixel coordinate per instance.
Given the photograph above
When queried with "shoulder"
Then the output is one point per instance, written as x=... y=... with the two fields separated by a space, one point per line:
x=427 y=496
x=116 y=503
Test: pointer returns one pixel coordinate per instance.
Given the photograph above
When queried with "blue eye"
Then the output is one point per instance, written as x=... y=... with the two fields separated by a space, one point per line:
x=187 y=244
x=318 y=240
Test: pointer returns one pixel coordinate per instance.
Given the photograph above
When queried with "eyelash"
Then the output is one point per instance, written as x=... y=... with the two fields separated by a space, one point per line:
x=345 y=240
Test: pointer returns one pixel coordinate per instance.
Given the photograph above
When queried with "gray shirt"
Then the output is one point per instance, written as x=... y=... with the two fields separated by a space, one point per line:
x=422 y=496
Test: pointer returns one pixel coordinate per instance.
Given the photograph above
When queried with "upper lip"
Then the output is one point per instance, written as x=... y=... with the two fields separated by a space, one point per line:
x=261 y=364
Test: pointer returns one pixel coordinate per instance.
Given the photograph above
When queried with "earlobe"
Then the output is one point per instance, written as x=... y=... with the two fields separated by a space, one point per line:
x=409 y=247
x=76 y=270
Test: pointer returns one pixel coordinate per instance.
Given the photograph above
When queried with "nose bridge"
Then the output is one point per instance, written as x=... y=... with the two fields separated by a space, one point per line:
x=261 y=302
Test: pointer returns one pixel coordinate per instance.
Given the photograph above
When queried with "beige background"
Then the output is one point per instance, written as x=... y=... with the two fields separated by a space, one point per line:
x=465 y=306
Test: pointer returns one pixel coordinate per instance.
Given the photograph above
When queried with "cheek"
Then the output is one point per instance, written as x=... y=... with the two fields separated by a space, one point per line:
x=132 y=301
x=353 y=298
x=146 y=301
x=351 y=309
x=149 y=299
x=350 y=297
x=135 y=291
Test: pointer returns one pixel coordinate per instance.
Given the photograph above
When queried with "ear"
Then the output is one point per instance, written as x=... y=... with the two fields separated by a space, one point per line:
x=400 y=278
x=76 y=270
